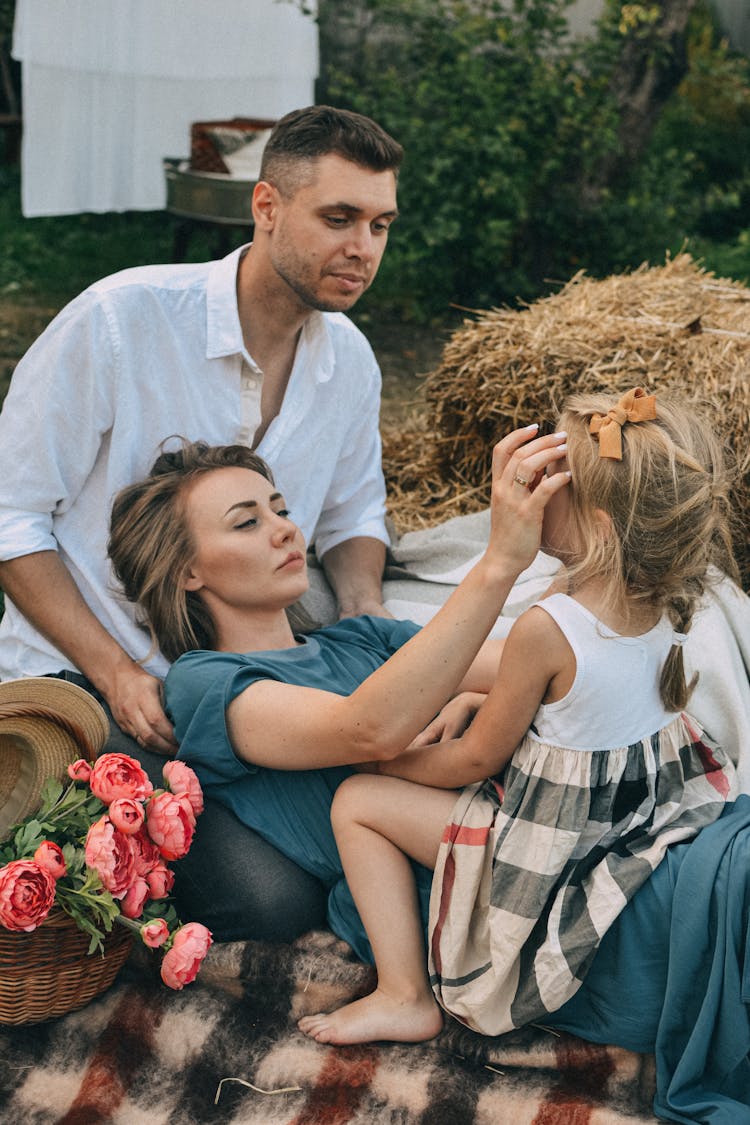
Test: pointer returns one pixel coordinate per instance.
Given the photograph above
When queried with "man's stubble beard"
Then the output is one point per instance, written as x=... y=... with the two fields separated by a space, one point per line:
x=308 y=295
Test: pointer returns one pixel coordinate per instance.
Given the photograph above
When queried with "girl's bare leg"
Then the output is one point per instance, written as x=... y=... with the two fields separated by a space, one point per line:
x=378 y=822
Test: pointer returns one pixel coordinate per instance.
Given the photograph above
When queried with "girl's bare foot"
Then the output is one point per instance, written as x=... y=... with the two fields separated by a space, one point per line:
x=375 y=1017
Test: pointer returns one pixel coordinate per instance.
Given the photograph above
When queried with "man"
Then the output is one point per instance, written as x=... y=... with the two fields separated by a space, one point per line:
x=251 y=348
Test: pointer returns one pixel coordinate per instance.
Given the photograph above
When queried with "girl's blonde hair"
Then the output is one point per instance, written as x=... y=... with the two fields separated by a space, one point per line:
x=152 y=550
x=668 y=501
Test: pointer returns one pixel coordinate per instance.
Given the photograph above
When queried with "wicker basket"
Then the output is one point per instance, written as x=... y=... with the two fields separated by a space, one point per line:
x=48 y=972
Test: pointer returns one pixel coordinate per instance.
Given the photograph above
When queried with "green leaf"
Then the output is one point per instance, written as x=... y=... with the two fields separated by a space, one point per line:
x=51 y=792
x=27 y=839
x=160 y=908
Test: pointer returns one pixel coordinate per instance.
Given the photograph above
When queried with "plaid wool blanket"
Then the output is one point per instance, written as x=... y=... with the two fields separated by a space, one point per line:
x=227 y=1050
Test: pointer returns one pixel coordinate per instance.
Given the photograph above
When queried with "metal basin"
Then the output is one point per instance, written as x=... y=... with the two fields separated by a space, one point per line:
x=207 y=196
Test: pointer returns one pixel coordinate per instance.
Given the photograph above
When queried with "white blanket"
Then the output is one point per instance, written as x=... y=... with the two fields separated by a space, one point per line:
x=425 y=566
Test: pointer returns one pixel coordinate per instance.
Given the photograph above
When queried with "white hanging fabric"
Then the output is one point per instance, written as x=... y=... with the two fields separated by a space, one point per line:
x=110 y=88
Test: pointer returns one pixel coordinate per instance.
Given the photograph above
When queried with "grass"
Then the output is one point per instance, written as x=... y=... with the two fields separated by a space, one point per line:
x=47 y=261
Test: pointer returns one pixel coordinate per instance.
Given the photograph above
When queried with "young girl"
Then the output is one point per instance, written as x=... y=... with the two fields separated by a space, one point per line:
x=604 y=771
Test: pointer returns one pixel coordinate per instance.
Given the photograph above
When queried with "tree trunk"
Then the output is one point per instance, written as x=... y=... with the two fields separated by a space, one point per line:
x=651 y=65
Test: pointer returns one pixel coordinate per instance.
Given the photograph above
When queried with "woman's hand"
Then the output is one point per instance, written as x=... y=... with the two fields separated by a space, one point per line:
x=452 y=720
x=520 y=491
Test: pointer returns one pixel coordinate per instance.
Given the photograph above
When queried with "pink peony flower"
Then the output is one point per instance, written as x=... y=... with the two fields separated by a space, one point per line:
x=126 y=814
x=145 y=851
x=181 y=780
x=136 y=897
x=171 y=823
x=111 y=855
x=27 y=893
x=182 y=962
x=118 y=775
x=49 y=856
x=155 y=933
x=160 y=881
x=79 y=770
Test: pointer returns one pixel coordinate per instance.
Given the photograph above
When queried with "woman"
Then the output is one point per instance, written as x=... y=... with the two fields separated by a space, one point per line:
x=206 y=547
x=272 y=721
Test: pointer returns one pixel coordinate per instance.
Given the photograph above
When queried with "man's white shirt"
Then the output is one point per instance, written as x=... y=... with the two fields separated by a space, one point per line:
x=157 y=352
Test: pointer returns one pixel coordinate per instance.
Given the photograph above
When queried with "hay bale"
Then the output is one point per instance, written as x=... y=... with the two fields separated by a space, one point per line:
x=674 y=327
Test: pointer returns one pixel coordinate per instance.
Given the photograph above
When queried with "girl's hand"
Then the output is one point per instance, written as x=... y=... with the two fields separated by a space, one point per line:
x=452 y=720
x=520 y=491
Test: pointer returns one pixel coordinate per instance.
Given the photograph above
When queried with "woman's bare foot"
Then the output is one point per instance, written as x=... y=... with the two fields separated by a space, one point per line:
x=375 y=1017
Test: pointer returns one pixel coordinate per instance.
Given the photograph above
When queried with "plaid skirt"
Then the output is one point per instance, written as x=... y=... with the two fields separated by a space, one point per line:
x=532 y=872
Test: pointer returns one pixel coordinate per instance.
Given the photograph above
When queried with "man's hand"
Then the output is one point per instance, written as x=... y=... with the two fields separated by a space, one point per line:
x=355 y=570
x=368 y=606
x=43 y=590
x=135 y=699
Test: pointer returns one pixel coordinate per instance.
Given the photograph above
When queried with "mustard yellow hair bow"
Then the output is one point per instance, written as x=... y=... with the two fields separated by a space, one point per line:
x=634 y=406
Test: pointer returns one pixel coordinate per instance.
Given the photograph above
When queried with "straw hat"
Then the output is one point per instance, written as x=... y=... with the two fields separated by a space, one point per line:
x=45 y=724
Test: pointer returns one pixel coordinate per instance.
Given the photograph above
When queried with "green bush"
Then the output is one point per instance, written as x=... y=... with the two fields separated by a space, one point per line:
x=708 y=121
x=473 y=91
x=505 y=121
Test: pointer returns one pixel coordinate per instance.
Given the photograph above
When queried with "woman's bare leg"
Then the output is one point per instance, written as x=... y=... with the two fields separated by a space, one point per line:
x=379 y=822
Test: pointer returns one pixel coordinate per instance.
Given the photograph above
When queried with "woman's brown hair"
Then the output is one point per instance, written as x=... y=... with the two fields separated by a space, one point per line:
x=151 y=548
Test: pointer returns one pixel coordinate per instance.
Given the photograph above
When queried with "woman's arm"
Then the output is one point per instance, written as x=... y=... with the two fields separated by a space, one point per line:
x=536 y=656
x=286 y=727
x=483 y=670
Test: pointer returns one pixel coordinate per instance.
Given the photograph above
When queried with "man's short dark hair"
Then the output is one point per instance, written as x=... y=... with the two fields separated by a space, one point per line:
x=321 y=130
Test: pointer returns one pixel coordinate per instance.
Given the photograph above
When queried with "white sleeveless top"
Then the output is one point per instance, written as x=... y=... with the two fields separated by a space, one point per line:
x=614 y=700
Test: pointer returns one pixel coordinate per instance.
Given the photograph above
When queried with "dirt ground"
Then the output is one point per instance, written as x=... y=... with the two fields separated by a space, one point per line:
x=404 y=351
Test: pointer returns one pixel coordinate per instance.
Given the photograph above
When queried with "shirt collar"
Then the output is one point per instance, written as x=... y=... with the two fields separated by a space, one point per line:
x=315 y=353
x=224 y=332
x=223 y=329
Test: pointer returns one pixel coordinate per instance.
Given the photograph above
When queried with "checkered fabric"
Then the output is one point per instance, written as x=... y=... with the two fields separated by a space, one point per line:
x=530 y=878
x=226 y=1050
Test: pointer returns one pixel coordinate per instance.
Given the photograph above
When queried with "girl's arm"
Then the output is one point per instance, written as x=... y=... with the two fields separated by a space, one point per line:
x=452 y=720
x=537 y=666
x=286 y=727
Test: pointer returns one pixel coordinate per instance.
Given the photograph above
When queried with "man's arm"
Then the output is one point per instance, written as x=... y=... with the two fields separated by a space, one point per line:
x=43 y=589
x=354 y=569
x=351 y=535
